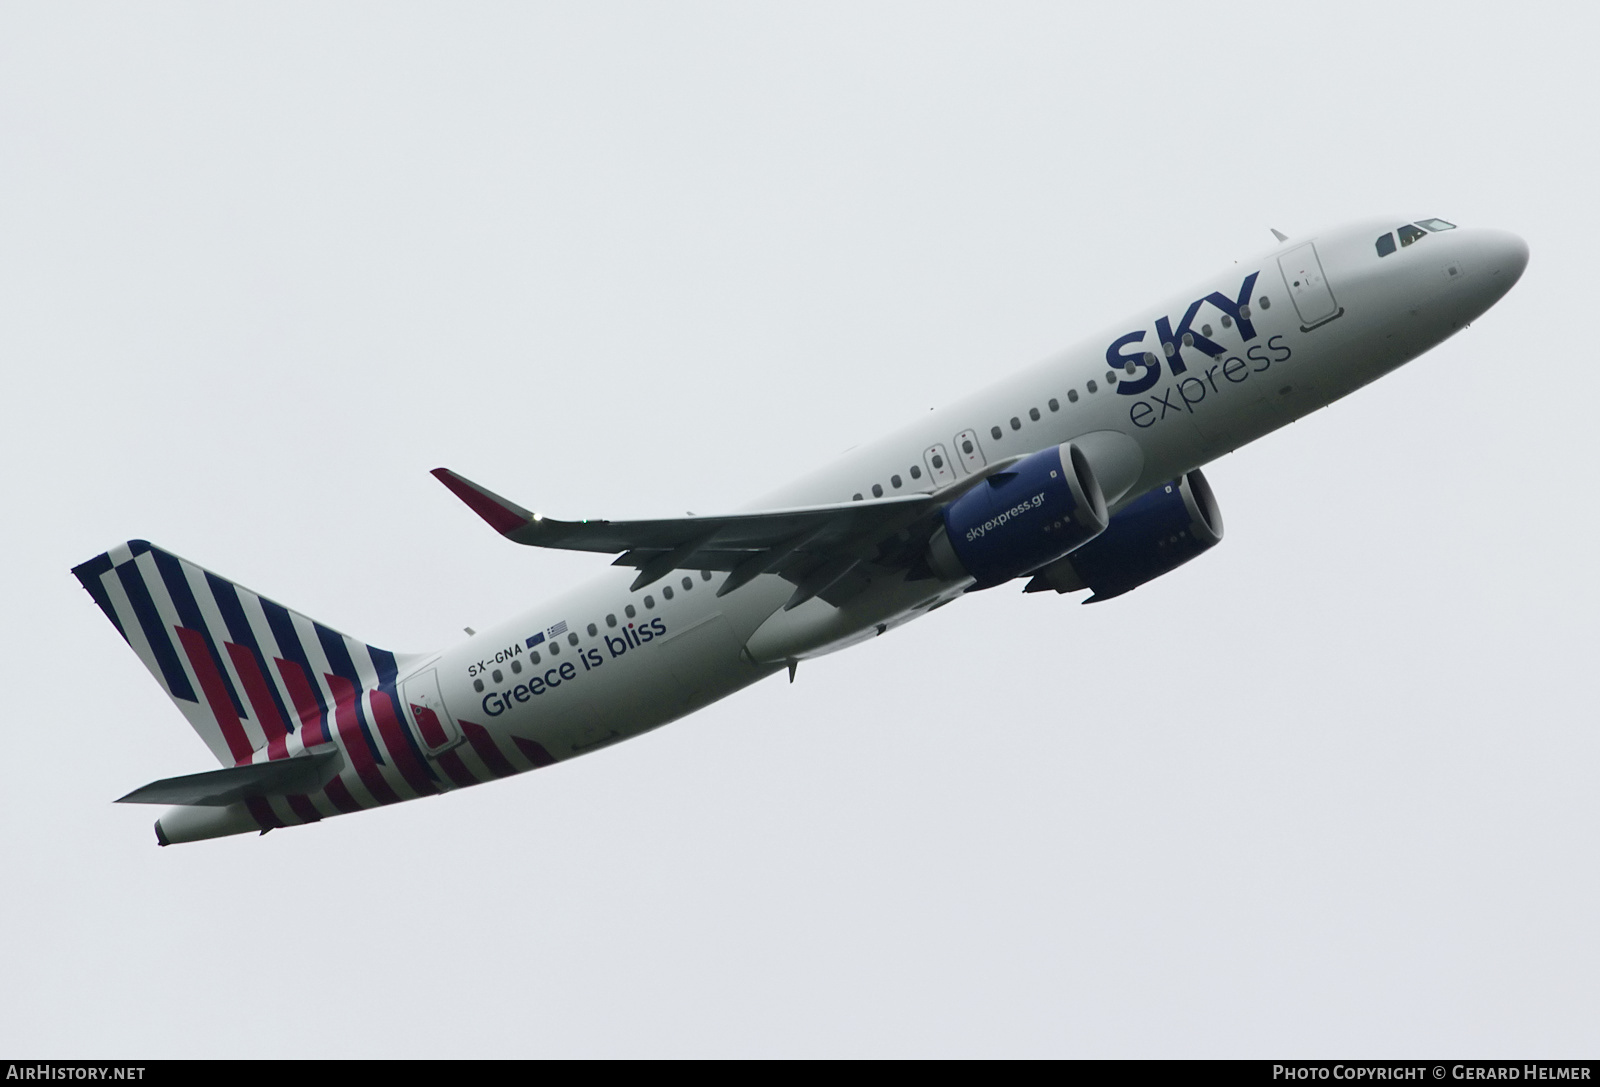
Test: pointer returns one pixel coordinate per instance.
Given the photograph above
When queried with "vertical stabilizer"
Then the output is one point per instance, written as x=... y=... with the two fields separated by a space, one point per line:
x=256 y=681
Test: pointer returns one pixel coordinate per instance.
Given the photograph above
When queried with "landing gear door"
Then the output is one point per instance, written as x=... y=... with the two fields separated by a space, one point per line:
x=1308 y=287
x=431 y=723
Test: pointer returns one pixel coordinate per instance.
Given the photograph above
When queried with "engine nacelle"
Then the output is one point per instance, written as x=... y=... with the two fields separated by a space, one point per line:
x=1153 y=535
x=1020 y=519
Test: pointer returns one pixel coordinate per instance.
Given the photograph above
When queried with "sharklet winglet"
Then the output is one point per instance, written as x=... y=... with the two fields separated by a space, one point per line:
x=503 y=515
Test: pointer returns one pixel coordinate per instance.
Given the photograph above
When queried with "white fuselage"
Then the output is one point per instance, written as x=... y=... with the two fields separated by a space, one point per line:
x=664 y=650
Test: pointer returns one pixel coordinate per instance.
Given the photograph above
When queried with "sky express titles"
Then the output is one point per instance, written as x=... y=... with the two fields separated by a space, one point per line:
x=1121 y=355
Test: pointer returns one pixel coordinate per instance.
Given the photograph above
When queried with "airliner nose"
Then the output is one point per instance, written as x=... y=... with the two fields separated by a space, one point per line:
x=1507 y=257
x=1494 y=260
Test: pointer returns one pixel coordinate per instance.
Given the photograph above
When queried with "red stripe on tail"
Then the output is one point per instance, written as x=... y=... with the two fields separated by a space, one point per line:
x=262 y=812
x=339 y=794
x=302 y=806
x=428 y=724
x=533 y=751
x=394 y=738
x=261 y=702
x=484 y=745
x=313 y=729
x=450 y=762
x=355 y=744
x=216 y=692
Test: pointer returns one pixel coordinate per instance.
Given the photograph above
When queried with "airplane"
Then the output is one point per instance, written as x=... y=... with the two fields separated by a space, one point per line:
x=1080 y=473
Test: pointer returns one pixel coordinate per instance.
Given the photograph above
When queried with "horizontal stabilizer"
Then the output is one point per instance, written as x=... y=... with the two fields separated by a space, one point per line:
x=219 y=788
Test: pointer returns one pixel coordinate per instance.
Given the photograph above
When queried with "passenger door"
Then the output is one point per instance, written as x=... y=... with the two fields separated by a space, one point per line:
x=431 y=723
x=1308 y=287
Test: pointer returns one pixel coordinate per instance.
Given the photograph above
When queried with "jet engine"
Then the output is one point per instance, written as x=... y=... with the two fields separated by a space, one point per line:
x=1019 y=519
x=1155 y=534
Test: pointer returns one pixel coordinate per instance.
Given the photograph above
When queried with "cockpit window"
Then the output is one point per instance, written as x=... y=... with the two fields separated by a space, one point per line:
x=1409 y=234
x=1386 y=244
x=1435 y=225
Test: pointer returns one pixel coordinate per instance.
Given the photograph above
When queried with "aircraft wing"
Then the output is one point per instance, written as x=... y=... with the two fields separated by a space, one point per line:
x=828 y=551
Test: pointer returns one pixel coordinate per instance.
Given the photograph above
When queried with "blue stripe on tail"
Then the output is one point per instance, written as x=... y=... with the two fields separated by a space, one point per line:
x=89 y=575
x=155 y=632
x=226 y=594
x=338 y=655
x=190 y=615
x=288 y=639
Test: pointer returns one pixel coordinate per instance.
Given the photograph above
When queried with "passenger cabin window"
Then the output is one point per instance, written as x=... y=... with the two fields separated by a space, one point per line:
x=1386 y=244
x=1409 y=234
x=895 y=481
x=1055 y=405
x=997 y=432
x=1072 y=395
x=877 y=490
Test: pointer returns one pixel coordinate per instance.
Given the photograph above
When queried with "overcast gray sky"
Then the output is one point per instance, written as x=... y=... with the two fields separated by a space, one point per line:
x=1329 y=790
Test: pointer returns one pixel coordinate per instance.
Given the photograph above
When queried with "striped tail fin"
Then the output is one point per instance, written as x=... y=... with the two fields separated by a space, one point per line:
x=257 y=681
